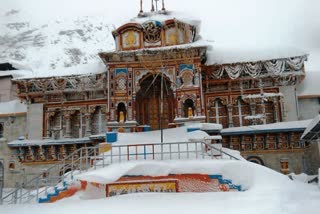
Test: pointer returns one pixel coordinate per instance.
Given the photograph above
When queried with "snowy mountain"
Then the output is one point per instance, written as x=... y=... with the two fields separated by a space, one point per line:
x=57 y=44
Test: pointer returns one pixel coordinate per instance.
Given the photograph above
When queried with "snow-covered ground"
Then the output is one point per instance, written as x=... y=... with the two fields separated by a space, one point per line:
x=268 y=192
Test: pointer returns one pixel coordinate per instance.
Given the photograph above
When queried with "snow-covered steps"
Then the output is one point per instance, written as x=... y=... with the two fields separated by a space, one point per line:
x=59 y=193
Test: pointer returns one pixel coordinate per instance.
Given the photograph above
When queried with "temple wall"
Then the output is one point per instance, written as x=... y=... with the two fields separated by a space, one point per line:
x=308 y=108
x=34 y=121
x=290 y=103
x=12 y=131
x=313 y=158
x=296 y=160
x=7 y=90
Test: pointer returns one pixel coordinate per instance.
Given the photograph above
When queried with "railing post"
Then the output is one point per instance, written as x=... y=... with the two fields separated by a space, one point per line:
x=72 y=167
x=37 y=186
x=80 y=161
x=187 y=150
x=102 y=159
x=86 y=158
x=15 y=196
x=196 y=149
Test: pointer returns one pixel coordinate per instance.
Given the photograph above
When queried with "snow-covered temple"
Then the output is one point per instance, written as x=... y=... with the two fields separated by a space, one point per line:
x=163 y=74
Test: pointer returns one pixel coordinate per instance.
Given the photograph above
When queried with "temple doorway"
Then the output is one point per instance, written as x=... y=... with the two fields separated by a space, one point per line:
x=148 y=102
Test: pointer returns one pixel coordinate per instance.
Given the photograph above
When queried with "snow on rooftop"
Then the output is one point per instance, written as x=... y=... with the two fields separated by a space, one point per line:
x=301 y=124
x=167 y=15
x=16 y=73
x=82 y=69
x=12 y=107
x=311 y=125
x=242 y=53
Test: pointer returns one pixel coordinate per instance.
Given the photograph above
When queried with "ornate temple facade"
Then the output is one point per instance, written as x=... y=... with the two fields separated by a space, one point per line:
x=162 y=75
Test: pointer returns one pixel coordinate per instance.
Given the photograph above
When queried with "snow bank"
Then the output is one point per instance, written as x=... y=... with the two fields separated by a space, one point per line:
x=250 y=176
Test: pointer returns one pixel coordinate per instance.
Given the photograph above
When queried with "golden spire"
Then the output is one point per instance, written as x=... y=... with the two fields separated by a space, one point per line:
x=141 y=11
x=163 y=8
x=152 y=7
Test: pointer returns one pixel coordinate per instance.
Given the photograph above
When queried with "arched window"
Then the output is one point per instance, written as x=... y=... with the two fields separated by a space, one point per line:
x=1 y=130
x=121 y=112
x=188 y=108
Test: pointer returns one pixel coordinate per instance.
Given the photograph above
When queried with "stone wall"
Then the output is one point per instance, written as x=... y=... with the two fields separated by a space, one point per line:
x=308 y=108
x=34 y=121
x=13 y=127
x=313 y=158
x=296 y=160
x=7 y=90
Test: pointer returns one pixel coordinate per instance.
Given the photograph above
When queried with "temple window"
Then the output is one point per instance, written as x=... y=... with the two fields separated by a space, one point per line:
x=22 y=89
x=188 y=107
x=69 y=85
x=32 y=88
x=121 y=112
x=1 y=130
x=240 y=111
x=12 y=165
x=284 y=163
x=218 y=113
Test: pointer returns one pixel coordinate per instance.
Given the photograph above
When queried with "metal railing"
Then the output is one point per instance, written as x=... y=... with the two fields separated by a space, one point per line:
x=87 y=158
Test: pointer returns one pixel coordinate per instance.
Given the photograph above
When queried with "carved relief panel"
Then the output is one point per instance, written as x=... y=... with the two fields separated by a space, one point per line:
x=130 y=39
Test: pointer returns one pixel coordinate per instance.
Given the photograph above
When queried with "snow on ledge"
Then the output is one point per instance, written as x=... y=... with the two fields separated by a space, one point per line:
x=230 y=54
x=302 y=124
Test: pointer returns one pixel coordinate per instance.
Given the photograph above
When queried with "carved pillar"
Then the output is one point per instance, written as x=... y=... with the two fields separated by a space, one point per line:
x=88 y=124
x=253 y=107
x=261 y=85
x=276 y=109
x=67 y=117
x=48 y=125
x=230 y=107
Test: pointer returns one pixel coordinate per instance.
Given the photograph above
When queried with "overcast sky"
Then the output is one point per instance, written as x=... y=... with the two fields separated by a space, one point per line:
x=287 y=22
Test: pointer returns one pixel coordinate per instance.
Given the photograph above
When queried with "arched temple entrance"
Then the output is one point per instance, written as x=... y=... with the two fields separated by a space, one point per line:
x=148 y=102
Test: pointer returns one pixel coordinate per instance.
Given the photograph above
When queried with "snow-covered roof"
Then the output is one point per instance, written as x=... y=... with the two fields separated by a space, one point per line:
x=23 y=142
x=273 y=127
x=15 y=73
x=12 y=107
x=230 y=54
x=83 y=69
x=167 y=15
x=313 y=129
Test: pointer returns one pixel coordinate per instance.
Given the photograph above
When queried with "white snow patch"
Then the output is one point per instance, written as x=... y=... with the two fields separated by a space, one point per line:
x=12 y=107
x=236 y=53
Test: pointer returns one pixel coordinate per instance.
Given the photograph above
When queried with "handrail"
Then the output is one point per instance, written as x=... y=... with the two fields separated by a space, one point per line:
x=87 y=157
